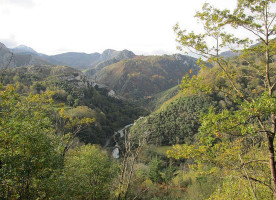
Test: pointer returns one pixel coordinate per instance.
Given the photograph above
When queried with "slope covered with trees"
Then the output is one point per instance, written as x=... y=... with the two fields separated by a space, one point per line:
x=71 y=88
x=215 y=139
x=143 y=76
x=177 y=121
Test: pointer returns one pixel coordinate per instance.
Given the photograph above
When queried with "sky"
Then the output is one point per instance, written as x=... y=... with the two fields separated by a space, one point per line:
x=58 y=26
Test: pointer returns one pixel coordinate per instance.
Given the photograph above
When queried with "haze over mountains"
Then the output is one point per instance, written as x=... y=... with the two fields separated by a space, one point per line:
x=77 y=60
x=129 y=75
x=20 y=56
x=22 y=49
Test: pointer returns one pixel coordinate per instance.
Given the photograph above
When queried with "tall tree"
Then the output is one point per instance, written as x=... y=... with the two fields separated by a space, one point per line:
x=253 y=117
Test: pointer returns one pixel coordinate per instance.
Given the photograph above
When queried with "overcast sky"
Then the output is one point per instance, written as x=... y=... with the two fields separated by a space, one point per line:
x=57 y=26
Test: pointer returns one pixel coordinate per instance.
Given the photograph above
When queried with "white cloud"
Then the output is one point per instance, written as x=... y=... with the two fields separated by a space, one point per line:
x=9 y=42
x=161 y=52
x=50 y=26
x=20 y=3
x=5 y=11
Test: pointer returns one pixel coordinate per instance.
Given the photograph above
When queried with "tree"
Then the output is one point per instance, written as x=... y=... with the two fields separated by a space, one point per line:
x=70 y=126
x=155 y=170
x=29 y=149
x=88 y=172
x=229 y=138
x=133 y=144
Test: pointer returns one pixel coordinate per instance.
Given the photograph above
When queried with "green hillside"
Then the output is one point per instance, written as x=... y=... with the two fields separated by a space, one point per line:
x=158 y=99
x=73 y=89
x=177 y=121
x=144 y=76
x=72 y=135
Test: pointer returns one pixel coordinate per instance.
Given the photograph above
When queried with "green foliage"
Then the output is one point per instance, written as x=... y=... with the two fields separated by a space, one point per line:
x=70 y=100
x=33 y=163
x=89 y=173
x=71 y=88
x=144 y=76
x=239 y=189
x=237 y=139
x=82 y=112
x=60 y=95
x=224 y=118
x=194 y=186
x=155 y=171
x=159 y=99
x=176 y=122
x=29 y=150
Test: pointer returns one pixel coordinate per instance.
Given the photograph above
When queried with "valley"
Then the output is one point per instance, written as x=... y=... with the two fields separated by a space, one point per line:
x=122 y=126
x=136 y=108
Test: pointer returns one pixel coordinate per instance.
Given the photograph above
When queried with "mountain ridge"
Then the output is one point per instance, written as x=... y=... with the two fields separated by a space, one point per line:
x=77 y=60
x=143 y=76
x=9 y=59
x=24 y=50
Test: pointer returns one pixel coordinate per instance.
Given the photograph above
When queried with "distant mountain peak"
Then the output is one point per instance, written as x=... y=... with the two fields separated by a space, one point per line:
x=107 y=51
x=107 y=54
x=2 y=45
x=110 y=53
x=23 y=49
x=22 y=46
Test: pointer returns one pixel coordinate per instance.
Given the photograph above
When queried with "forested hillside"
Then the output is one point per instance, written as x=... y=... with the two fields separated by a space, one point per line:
x=175 y=122
x=146 y=127
x=144 y=76
x=71 y=88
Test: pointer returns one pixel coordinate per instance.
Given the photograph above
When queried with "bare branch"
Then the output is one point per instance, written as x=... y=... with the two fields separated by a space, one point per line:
x=252 y=31
x=262 y=125
x=252 y=188
x=259 y=181
x=202 y=53
x=271 y=22
x=10 y=60
x=230 y=80
x=273 y=86
x=252 y=161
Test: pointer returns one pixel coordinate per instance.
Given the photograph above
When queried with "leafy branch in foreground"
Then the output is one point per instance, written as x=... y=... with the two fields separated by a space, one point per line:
x=239 y=140
x=31 y=151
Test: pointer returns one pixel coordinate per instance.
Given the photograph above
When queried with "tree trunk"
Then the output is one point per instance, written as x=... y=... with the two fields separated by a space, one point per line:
x=272 y=162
